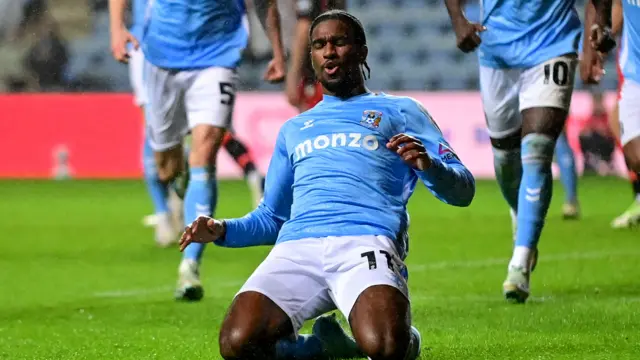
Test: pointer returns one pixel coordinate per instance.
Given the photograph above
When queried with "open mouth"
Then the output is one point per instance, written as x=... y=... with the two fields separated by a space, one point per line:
x=331 y=69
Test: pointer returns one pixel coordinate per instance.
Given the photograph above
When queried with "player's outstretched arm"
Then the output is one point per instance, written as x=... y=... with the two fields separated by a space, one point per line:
x=261 y=226
x=443 y=173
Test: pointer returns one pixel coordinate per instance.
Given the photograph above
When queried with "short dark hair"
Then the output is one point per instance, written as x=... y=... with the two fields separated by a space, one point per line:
x=358 y=29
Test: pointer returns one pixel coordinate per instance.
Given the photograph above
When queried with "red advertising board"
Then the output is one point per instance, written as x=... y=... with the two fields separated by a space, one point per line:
x=99 y=135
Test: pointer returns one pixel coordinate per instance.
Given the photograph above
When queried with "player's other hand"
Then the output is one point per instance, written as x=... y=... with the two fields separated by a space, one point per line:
x=275 y=70
x=591 y=67
x=203 y=230
x=411 y=150
x=467 y=38
x=120 y=38
x=601 y=39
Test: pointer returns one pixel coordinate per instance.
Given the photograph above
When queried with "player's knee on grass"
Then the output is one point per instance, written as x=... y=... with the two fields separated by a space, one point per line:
x=205 y=143
x=381 y=323
x=252 y=327
x=169 y=163
x=632 y=154
x=543 y=120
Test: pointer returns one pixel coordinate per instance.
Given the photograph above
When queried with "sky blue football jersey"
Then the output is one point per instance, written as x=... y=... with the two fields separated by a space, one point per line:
x=525 y=33
x=332 y=175
x=195 y=34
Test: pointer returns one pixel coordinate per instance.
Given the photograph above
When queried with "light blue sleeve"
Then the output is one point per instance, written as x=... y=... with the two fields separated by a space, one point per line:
x=447 y=178
x=261 y=226
x=580 y=45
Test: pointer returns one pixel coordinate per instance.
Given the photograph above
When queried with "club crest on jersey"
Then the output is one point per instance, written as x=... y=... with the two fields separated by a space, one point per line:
x=371 y=118
x=446 y=153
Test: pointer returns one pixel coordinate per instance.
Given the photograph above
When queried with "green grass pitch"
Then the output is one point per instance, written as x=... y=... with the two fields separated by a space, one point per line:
x=80 y=278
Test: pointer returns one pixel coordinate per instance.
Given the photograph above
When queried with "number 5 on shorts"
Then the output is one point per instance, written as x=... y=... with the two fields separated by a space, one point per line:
x=228 y=93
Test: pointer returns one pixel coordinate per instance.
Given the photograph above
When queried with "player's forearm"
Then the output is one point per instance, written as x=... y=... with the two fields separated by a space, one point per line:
x=589 y=18
x=117 y=10
x=269 y=16
x=453 y=184
x=616 y=18
x=259 y=227
x=603 y=12
x=300 y=48
x=455 y=9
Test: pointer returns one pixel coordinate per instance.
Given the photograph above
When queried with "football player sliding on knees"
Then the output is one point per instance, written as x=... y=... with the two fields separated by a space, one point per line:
x=354 y=263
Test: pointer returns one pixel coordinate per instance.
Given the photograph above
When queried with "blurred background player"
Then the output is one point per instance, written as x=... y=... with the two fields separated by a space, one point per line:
x=564 y=155
x=528 y=54
x=236 y=148
x=302 y=89
x=591 y=72
x=167 y=216
x=193 y=49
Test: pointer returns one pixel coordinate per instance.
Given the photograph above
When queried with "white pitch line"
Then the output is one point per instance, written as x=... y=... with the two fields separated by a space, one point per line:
x=503 y=261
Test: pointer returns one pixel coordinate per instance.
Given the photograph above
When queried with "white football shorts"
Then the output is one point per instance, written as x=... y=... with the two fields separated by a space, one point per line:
x=178 y=101
x=309 y=277
x=506 y=92
x=629 y=112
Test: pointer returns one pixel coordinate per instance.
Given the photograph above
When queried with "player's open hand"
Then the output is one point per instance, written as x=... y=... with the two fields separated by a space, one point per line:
x=467 y=38
x=601 y=39
x=411 y=150
x=275 y=70
x=203 y=230
x=120 y=38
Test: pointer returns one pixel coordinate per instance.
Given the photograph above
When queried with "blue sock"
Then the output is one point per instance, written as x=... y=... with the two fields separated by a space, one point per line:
x=200 y=200
x=508 y=167
x=303 y=347
x=535 y=189
x=157 y=189
x=567 y=164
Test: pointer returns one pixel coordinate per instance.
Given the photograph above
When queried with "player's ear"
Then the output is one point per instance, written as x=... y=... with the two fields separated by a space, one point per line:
x=364 y=51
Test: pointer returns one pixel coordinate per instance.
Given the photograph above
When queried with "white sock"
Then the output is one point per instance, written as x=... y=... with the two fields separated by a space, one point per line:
x=254 y=178
x=638 y=198
x=520 y=258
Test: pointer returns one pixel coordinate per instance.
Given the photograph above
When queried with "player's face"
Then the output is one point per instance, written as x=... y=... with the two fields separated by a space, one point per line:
x=335 y=57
